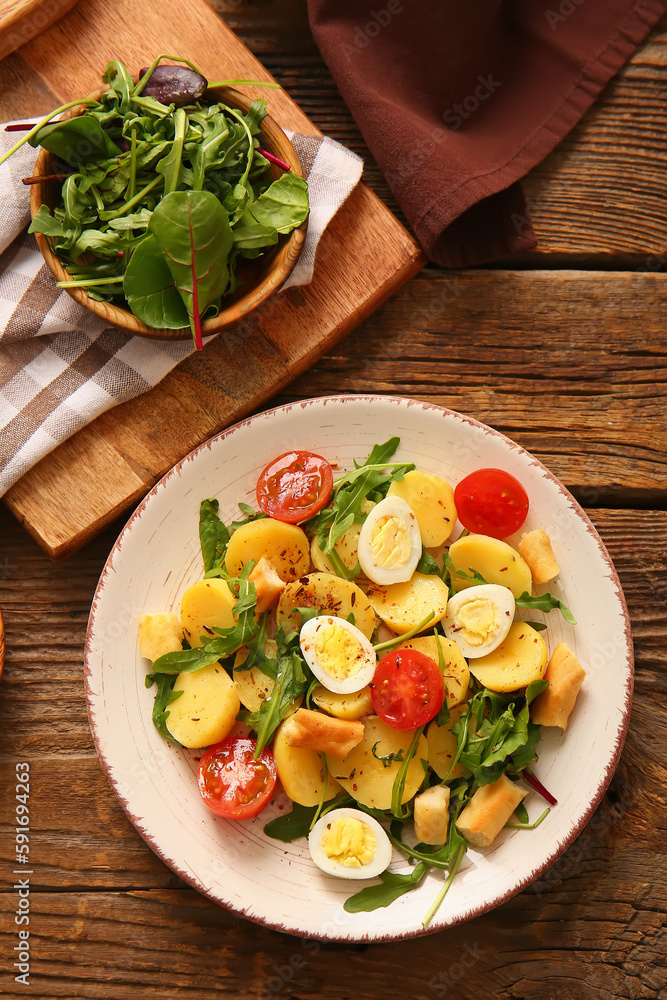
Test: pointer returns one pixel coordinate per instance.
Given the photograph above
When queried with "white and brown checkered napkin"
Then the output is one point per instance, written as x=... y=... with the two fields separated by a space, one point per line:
x=60 y=366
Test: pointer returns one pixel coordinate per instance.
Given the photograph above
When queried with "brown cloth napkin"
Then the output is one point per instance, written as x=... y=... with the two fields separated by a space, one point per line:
x=458 y=100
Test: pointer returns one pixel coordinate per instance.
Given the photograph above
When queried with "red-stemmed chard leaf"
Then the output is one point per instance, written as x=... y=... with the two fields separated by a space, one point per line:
x=274 y=159
x=537 y=785
x=193 y=232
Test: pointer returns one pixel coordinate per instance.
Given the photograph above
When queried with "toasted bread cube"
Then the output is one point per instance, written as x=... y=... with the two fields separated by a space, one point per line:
x=489 y=809
x=535 y=548
x=159 y=634
x=432 y=815
x=565 y=675
x=315 y=731
x=268 y=584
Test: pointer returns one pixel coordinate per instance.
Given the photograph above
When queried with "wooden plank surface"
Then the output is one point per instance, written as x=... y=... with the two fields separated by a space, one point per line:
x=363 y=257
x=21 y=20
x=109 y=920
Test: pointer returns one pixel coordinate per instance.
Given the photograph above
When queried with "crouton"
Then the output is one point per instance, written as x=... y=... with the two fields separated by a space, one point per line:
x=315 y=731
x=535 y=549
x=268 y=584
x=489 y=809
x=432 y=815
x=159 y=634
x=565 y=675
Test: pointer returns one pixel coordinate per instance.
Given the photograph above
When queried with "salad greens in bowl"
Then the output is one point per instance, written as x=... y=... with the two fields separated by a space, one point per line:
x=166 y=204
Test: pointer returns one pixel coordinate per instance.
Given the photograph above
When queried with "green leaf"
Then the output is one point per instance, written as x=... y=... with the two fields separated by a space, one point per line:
x=170 y=165
x=291 y=683
x=44 y=222
x=251 y=235
x=164 y=696
x=213 y=535
x=545 y=602
x=150 y=290
x=284 y=205
x=76 y=140
x=298 y=822
x=393 y=885
x=535 y=688
x=193 y=232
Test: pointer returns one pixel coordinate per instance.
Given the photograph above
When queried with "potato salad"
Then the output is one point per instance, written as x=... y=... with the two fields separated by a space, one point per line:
x=356 y=639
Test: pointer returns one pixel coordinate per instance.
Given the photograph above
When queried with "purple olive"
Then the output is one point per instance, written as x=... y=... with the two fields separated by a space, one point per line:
x=174 y=85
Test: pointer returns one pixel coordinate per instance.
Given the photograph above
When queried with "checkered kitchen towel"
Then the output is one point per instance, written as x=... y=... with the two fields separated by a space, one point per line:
x=60 y=366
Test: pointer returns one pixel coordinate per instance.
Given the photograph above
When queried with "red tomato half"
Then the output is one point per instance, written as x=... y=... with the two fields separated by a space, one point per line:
x=407 y=689
x=491 y=502
x=294 y=486
x=231 y=783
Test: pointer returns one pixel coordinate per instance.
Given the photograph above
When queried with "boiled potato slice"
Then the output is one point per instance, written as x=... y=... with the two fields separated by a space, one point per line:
x=331 y=595
x=204 y=605
x=344 y=706
x=497 y=562
x=206 y=711
x=301 y=772
x=253 y=685
x=346 y=548
x=159 y=634
x=366 y=778
x=432 y=500
x=441 y=743
x=456 y=673
x=285 y=545
x=515 y=663
x=402 y=606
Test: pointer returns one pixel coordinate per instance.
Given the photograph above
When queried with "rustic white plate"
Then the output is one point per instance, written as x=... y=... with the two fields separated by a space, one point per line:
x=157 y=556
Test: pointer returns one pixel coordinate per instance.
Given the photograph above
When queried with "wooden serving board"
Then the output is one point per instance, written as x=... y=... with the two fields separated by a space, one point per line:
x=363 y=257
x=21 y=20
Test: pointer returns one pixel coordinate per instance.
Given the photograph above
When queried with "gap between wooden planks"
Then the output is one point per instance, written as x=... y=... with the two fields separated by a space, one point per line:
x=364 y=256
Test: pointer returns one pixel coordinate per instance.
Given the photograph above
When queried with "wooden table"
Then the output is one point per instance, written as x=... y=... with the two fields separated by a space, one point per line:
x=562 y=349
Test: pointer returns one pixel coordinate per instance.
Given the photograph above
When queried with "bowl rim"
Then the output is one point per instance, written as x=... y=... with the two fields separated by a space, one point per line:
x=606 y=771
x=286 y=251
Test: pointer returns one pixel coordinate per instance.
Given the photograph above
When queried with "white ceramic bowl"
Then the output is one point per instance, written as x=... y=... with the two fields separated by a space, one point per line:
x=157 y=556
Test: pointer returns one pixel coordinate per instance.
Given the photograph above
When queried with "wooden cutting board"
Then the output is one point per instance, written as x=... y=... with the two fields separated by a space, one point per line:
x=363 y=257
x=21 y=20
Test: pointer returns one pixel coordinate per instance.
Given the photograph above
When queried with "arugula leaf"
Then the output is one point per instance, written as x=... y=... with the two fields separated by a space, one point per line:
x=545 y=602
x=298 y=822
x=226 y=641
x=397 y=808
x=393 y=885
x=164 y=696
x=388 y=758
x=291 y=681
x=213 y=535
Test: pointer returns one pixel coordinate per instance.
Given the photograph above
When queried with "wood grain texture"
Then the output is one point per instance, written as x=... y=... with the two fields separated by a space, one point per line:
x=21 y=20
x=363 y=257
x=109 y=920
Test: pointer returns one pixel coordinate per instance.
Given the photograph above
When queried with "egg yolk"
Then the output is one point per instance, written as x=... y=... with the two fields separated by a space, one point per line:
x=349 y=842
x=390 y=542
x=476 y=620
x=338 y=652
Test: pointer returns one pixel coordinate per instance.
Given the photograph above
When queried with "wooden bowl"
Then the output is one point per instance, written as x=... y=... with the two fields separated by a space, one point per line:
x=268 y=272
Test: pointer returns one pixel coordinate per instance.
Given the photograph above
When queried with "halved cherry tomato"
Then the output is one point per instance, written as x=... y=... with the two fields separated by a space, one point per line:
x=407 y=689
x=231 y=783
x=294 y=486
x=491 y=502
